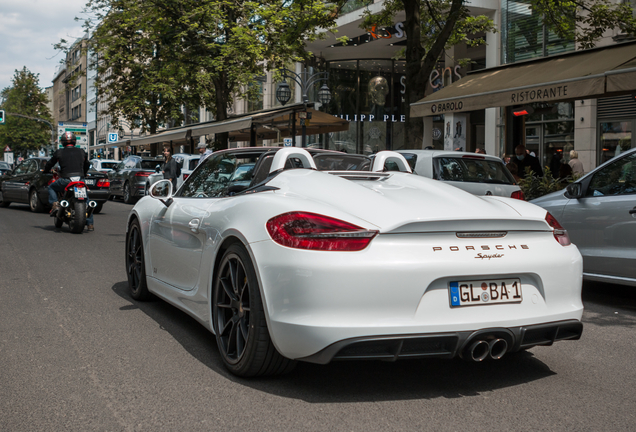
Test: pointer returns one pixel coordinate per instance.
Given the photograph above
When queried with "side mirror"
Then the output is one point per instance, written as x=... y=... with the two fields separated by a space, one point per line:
x=574 y=190
x=162 y=190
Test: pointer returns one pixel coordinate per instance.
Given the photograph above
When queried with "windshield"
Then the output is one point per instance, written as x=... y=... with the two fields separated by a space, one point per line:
x=149 y=164
x=108 y=165
x=342 y=162
x=471 y=170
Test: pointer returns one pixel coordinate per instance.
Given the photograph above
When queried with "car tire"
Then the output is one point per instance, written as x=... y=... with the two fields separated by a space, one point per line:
x=98 y=207
x=128 y=198
x=239 y=319
x=77 y=222
x=136 y=263
x=34 y=202
x=3 y=203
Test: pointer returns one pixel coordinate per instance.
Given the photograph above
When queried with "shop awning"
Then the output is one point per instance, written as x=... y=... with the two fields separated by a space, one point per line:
x=267 y=124
x=585 y=74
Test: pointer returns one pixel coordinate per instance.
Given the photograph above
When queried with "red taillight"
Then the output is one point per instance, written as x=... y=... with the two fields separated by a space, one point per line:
x=560 y=234
x=103 y=183
x=302 y=230
x=142 y=174
x=185 y=176
x=518 y=195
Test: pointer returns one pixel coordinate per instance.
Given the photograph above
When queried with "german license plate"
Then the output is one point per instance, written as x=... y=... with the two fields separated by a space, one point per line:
x=484 y=292
x=89 y=181
x=80 y=192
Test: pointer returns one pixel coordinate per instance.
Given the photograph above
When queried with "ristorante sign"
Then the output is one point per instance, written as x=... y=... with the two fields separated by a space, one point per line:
x=454 y=102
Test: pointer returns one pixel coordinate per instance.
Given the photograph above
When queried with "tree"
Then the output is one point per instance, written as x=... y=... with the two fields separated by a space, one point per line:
x=157 y=57
x=26 y=98
x=433 y=26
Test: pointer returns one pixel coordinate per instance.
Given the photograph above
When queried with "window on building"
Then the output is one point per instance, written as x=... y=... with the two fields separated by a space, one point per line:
x=76 y=93
x=524 y=36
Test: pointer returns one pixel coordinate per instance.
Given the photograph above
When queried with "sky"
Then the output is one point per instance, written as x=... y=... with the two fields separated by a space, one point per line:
x=28 y=31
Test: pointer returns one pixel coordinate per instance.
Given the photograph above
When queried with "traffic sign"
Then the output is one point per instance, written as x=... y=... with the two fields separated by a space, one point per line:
x=1 y=116
x=287 y=142
x=113 y=137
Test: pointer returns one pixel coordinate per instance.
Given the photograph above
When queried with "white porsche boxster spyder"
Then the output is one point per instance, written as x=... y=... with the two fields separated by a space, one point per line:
x=319 y=256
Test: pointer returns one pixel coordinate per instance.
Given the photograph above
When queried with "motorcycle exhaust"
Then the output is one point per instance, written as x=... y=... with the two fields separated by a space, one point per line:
x=91 y=207
x=64 y=203
x=497 y=348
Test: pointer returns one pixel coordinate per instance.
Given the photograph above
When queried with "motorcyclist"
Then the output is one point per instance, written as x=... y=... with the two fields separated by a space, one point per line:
x=73 y=162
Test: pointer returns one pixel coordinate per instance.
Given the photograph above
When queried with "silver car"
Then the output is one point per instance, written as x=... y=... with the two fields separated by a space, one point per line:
x=599 y=212
x=476 y=173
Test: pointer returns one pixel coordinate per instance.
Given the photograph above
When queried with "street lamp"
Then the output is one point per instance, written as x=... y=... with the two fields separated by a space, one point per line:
x=305 y=81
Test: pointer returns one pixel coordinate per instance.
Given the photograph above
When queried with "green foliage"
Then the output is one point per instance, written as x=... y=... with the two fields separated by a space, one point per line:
x=157 y=56
x=535 y=187
x=24 y=97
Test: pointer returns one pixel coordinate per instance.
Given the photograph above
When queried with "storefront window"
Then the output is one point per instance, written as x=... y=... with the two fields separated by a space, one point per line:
x=343 y=82
x=375 y=105
x=371 y=95
x=615 y=138
x=550 y=134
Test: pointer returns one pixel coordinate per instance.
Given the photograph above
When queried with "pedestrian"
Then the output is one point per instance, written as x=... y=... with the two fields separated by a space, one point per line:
x=524 y=160
x=171 y=170
x=480 y=150
x=204 y=151
x=575 y=163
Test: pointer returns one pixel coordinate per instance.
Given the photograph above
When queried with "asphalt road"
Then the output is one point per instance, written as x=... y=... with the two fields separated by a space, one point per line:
x=78 y=354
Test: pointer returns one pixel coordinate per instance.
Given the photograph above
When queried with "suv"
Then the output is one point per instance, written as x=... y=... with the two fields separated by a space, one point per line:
x=129 y=177
x=476 y=173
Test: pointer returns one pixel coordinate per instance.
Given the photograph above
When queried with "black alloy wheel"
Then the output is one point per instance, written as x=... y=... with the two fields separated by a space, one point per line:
x=127 y=194
x=34 y=202
x=135 y=263
x=239 y=320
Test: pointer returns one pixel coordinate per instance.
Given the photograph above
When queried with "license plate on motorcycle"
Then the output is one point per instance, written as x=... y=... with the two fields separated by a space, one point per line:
x=80 y=192
x=485 y=292
x=89 y=182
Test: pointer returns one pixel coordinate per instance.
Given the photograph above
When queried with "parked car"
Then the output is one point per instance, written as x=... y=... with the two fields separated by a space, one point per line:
x=187 y=163
x=599 y=212
x=310 y=265
x=4 y=168
x=478 y=174
x=27 y=184
x=128 y=179
x=104 y=165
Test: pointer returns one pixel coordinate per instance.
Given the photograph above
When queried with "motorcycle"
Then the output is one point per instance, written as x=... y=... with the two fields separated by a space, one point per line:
x=74 y=205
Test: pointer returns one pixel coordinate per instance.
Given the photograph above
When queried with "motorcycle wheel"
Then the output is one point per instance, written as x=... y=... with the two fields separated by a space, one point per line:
x=78 y=217
x=58 y=221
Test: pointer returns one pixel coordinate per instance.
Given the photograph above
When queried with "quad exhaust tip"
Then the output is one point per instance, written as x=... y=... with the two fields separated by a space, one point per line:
x=481 y=349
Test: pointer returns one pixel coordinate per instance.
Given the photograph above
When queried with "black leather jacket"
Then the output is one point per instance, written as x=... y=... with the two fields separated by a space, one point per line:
x=73 y=162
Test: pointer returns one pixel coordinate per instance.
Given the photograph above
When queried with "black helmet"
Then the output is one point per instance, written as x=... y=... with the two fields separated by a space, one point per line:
x=68 y=138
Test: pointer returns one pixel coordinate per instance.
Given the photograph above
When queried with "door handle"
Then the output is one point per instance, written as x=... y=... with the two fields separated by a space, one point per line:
x=194 y=225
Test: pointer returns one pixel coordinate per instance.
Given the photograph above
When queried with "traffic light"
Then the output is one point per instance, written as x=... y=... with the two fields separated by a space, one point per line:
x=1 y=116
